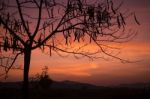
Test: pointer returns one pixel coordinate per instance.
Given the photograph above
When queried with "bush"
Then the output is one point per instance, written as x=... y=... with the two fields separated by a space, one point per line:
x=42 y=80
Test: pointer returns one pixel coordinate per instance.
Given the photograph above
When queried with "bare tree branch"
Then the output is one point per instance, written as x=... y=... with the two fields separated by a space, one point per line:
x=22 y=19
x=9 y=64
x=26 y=25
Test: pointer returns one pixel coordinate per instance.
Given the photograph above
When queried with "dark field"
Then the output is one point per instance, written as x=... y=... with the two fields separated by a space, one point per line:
x=101 y=93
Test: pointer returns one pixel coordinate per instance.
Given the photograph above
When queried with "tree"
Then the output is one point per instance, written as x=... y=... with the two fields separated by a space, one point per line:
x=26 y=25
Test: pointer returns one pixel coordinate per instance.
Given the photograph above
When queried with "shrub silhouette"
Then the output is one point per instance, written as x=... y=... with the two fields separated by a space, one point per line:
x=42 y=81
x=45 y=80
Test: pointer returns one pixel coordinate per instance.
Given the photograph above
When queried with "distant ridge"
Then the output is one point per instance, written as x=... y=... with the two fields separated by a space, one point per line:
x=75 y=85
x=56 y=84
x=10 y=84
x=136 y=85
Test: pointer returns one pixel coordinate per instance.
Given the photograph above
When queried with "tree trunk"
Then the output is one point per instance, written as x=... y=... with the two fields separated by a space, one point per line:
x=27 y=57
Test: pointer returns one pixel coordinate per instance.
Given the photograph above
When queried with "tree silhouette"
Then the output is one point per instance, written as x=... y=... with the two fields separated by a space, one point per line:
x=42 y=80
x=26 y=25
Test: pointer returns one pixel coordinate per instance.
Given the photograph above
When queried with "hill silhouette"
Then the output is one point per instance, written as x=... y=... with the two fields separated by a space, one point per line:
x=76 y=90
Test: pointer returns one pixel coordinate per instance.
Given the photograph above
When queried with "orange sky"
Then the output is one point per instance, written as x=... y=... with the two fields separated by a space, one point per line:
x=99 y=71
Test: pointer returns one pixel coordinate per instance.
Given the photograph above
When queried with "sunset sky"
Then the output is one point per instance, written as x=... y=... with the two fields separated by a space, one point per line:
x=99 y=71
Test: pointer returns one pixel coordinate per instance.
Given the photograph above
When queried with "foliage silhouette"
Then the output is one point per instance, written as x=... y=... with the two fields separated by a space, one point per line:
x=26 y=25
x=42 y=80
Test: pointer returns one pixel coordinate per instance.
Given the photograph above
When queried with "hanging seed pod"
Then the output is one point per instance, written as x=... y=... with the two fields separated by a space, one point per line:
x=46 y=3
x=52 y=12
x=69 y=6
x=0 y=21
x=1 y=7
x=0 y=47
x=7 y=41
x=1 y=61
x=66 y=38
x=28 y=26
x=43 y=48
x=94 y=35
x=99 y=14
x=108 y=4
x=16 y=26
x=84 y=17
x=14 y=45
x=49 y=15
x=73 y=13
x=64 y=32
x=112 y=7
x=91 y=12
x=105 y=15
x=83 y=31
x=122 y=18
x=52 y=27
x=7 y=21
x=107 y=19
x=11 y=41
x=80 y=5
x=54 y=2
x=44 y=26
x=44 y=29
x=40 y=39
x=20 y=28
x=23 y=29
x=99 y=17
x=90 y=37
x=50 y=50
x=68 y=33
x=136 y=20
x=8 y=44
x=17 y=43
x=8 y=16
x=102 y=33
x=118 y=22
x=53 y=42
x=75 y=35
x=97 y=31
x=5 y=45
x=78 y=35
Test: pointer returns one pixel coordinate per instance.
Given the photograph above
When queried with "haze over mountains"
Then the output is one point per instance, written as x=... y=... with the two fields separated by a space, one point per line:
x=75 y=85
